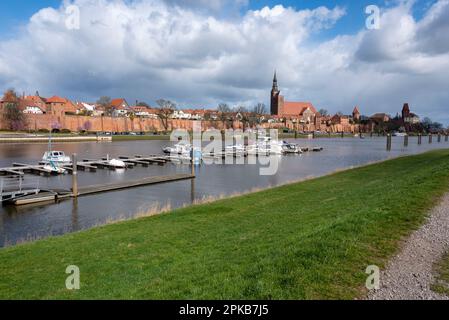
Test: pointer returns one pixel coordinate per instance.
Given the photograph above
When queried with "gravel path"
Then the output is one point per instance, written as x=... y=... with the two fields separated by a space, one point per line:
x=409 y=274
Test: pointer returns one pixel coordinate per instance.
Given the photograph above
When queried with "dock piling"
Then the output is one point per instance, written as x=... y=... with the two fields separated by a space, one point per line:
x=388 y=142
x=430 y=138
x=439 y=137
x=446 y=137
x=74 y=176
x=406 y=141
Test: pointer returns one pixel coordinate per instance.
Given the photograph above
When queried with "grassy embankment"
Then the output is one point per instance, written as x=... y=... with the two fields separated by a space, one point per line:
x=441 y=284
x=301 y=241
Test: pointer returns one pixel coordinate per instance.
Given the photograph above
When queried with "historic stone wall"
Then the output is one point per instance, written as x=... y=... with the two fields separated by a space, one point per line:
x=123 y=124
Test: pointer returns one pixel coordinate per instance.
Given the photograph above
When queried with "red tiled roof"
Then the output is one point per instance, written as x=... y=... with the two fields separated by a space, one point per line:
x=118 y=103
x=36 y=99
x=297 y=108
x=56 y=99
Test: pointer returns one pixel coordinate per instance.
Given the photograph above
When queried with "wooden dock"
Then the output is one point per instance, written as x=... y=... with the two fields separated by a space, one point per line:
x=91 y=165
x=84 y=191
x=44 y=196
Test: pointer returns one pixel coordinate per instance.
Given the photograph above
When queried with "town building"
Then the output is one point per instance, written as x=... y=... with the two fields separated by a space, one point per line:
x=303 y=112
x=380 y=117
x=120 y=107
x=356 y=115
x=409 y=117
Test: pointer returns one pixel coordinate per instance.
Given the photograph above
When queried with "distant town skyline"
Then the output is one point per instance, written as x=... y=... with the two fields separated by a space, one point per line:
x=201 y=53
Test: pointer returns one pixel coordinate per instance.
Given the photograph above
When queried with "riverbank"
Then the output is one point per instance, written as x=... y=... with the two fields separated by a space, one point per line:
x=301 y=241
x=55 y=138
x=143 y=138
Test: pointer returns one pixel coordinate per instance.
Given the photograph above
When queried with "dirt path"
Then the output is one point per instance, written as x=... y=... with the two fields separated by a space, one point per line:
x=409 y=274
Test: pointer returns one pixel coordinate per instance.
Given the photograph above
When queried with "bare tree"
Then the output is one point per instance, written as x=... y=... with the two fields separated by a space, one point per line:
x=105 y=102
x=259 y=111
x=324 y=112
x=242 y=115
x=142 y=104
x=13 y=116
x=166 y=109
x=223 y=113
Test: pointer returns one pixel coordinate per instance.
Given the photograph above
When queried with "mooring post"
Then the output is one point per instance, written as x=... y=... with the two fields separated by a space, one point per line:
x=446 y=137
x=430 y=138
x=74 y=176
x=439 y=137
x=419 y=138
x=388 y=142
x=296 y=134
x=342 y=134
x=406 y=141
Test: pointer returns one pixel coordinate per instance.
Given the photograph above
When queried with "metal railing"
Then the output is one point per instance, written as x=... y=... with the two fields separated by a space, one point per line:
x=11 y=187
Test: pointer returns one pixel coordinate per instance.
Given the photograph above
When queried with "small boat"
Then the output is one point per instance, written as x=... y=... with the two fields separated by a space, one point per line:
x=290 y=148
x=266 y=145
x=317 y=149
x=56 y=157
x=235 y=150
x=181 y=148
x=117 y=163
x=54 y=168
x=399 y=134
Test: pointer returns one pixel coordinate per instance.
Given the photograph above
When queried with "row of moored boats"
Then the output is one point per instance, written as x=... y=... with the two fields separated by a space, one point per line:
x=264 y=146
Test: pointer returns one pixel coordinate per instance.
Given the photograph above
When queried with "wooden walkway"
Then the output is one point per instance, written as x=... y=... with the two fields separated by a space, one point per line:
x=84 y=191
x=56 y=195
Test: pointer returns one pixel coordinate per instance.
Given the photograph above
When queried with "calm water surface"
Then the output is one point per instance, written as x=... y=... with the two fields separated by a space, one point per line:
x=19 y=224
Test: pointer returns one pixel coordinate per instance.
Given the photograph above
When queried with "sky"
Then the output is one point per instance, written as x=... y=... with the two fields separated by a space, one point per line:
x=199 y=53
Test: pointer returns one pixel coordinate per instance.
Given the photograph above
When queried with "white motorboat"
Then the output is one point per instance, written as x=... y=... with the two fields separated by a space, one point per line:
x=400 y=134
x=181 y=148
x=56 y=157
x=290 y=148
x=117 y=163
x=235 y=149
x=265 y=146
x=53 y=168
x=269 y=146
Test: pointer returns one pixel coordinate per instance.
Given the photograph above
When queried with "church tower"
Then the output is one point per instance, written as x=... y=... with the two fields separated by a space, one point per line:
x=275 y=97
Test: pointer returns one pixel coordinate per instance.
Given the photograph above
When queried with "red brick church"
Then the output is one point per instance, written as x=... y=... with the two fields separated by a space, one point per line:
x=303 y=111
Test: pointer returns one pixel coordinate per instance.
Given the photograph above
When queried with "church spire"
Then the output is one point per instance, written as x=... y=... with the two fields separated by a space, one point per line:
x=275 y=82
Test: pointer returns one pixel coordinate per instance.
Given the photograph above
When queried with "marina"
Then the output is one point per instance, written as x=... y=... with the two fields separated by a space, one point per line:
x=54 y=216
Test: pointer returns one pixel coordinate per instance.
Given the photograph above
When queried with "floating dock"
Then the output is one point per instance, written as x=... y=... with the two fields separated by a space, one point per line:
x=13 y=189
x=41 y=196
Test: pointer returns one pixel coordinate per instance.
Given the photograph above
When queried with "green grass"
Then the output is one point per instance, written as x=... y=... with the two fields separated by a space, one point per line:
x=441 y=284
x=309 y=240
x=130 y=138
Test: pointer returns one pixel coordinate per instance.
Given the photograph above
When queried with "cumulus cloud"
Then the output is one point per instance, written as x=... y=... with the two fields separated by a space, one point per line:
x=185 y=51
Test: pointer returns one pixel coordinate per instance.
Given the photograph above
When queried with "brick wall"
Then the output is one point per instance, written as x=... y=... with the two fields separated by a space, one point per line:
x=123 y=124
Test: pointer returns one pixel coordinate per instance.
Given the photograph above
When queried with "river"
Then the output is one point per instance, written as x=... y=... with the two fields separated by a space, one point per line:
x=20 y=224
